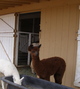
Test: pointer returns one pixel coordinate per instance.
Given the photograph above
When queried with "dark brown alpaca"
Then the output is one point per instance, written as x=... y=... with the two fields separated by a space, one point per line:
x=47 y=67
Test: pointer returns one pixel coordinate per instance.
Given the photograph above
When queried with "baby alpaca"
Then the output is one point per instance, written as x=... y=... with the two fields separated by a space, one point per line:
x=8 y=69
x=45 y=68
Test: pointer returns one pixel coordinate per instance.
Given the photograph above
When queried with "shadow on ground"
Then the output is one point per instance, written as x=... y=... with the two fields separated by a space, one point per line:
x=26 y=71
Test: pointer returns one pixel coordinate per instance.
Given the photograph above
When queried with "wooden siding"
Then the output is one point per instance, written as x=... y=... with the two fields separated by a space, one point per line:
x=58 y=37
x=59 y=24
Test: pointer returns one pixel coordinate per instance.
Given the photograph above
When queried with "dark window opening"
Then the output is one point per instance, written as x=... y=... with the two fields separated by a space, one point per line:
x=29 y=27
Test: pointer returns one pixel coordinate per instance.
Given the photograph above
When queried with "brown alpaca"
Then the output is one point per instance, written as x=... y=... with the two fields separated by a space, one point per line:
x=47 y=67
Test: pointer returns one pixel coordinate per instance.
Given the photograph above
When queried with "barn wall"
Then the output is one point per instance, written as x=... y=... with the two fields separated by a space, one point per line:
x=38 y=6
x=58 y=37
x=59 y=26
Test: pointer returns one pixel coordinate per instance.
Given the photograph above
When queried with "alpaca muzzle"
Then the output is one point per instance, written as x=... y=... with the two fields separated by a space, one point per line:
x=36 y=53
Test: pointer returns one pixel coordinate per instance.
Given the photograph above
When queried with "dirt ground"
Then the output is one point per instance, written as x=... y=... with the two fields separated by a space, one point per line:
x=26 y=71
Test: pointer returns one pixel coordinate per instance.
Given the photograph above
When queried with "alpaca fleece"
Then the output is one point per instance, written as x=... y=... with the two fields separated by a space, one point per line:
x=46 y=67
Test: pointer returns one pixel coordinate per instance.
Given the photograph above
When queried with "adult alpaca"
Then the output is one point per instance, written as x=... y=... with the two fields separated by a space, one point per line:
x=45 y=68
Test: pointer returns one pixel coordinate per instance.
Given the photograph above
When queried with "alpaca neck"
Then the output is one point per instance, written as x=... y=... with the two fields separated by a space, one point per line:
x=36 y=58
x=16 y=75
x=36 y=61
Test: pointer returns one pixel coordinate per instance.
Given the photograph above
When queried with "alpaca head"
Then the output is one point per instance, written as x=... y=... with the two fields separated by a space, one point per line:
x=34 y=50
x=18 y=80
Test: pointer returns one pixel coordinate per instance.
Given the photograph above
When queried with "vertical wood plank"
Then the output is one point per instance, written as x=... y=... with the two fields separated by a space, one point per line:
x=58 y=31
x=71 y=44
x=65 y=31
x=53 y=31
x=42 y=27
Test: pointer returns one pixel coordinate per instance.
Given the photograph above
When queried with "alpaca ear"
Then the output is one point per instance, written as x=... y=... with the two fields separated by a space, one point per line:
x=22 y=78
x=39 y=46
x=30 y=47
x=14 y=79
